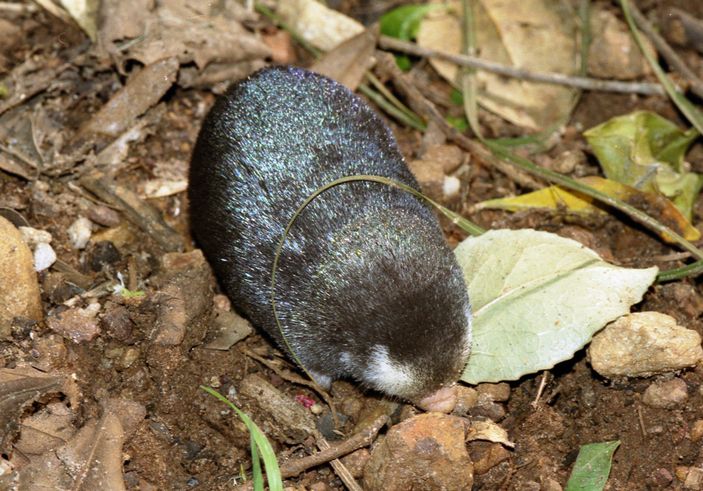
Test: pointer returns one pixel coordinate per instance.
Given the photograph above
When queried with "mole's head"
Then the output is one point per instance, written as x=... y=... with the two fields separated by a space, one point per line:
x=423 y=337
x=405 y=318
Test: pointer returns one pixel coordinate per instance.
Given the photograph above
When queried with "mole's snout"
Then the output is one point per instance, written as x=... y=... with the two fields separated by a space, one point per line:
x=441 y=401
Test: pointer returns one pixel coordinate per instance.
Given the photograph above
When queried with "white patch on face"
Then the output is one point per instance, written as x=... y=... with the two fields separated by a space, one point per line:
x=386 y=374
x=345 y=359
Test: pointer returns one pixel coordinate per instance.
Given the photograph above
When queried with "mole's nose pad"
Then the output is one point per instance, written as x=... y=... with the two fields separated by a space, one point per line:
x=441 y=401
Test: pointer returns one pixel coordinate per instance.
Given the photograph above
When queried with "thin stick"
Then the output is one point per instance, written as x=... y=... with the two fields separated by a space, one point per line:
x=643 y=428
x=17 y=7
x=667 y=52
x=361 y=439
x=540 y=389
x=340 y=469
x=585 y=83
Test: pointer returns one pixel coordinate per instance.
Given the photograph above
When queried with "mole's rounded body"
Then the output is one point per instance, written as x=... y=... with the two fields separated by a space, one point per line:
x=366 y=287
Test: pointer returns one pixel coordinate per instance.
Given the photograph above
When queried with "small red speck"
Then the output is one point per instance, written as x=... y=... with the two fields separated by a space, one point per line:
x=305 y=401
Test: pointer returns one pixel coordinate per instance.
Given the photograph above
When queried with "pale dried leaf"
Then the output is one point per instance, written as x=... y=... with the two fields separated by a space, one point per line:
x=489 y=431
x=319 y=25
x=538 y=35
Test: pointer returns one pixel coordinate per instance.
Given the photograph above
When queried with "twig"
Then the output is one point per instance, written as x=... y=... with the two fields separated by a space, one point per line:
x=134 y=209
x=340 y=469
x=643 y=428
x=17 y=8
x=667 y=52
x=674 y=256
x=586 y=83
x=361 y=439
x=540 y=389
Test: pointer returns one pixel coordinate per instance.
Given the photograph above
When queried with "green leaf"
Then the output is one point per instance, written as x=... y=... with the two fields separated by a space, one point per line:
x=403 y=22
x=592 y=467
x=537 y=299
x=257 y=477
x=458 y=122
x=646 y=151
x=259 y=445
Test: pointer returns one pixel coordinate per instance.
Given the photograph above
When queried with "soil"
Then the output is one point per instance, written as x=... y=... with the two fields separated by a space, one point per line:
x=188 y=441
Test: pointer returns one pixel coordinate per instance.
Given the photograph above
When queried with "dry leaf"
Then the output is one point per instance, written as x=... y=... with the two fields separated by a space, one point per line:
x=20 y=387
x=319 y=25
x=348 y=62
x=489 y=431
x=537 y=35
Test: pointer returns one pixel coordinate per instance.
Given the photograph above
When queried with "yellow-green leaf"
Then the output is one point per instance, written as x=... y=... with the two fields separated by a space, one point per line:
x=646 y=151
x=559 y=198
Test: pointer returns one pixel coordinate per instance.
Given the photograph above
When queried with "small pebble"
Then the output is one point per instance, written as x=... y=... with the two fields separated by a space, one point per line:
x=103 y=215
x=662 y=477
x=451 y=186
x=549 y=484
x=666 y=394
x=319 y=486
x=466 y=399
x=78 y=325
x=33 y=236
x=497 y=392
x=692 y=477
x=79 y=233
x=221 y=302
x=488 y=408
x=356 y=461
x=44 y=257
x=697 y=430
x=423 y=452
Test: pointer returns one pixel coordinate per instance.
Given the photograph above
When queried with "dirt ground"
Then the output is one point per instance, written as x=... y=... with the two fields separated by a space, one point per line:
x=187 y=440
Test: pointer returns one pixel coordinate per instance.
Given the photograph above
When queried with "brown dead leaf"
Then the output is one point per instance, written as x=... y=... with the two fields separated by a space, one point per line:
x=142 y=91
x=319 y=25
x=19 y=387
x=91 y=460
x=192 y=32
x=348 y=62
x=539 y=35
x=48 y=429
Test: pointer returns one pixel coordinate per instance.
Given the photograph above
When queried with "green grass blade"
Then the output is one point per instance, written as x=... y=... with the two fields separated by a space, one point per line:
x=256 y=476
x=592 y=467
x=260 y=444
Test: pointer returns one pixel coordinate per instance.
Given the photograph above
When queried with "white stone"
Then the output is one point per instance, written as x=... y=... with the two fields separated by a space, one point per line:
x=644 y=344
x=33 y=236
x=79 y=233
x=44 y=257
